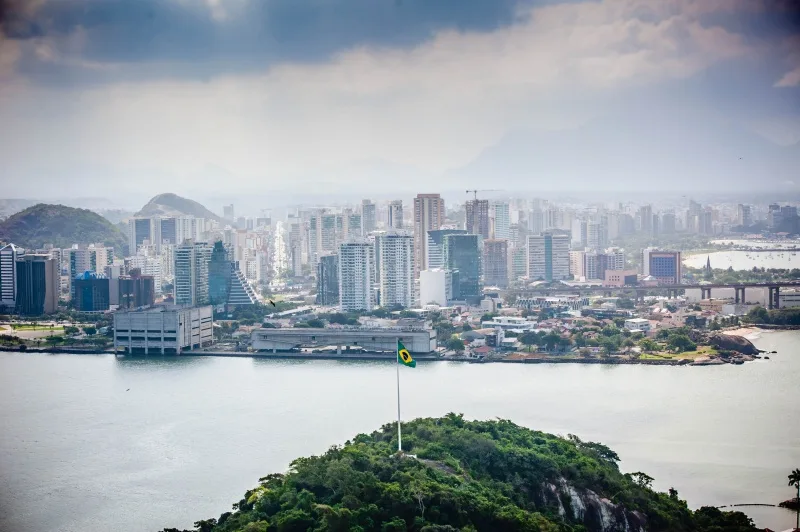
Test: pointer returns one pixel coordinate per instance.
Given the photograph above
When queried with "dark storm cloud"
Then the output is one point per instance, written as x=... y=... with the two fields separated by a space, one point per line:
x=254 y=33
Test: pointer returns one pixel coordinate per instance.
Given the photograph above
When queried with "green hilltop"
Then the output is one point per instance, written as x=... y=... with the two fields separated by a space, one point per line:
x=61 y=226
x=468 y=476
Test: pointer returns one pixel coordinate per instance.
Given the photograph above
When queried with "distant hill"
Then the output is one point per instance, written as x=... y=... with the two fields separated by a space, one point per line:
x=115 y=216
x=174 y=205
x=61 y=226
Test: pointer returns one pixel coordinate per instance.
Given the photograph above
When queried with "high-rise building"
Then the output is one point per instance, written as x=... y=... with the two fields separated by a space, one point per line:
x=328 y=280
x=91 y=292
x=191 y=273
x=80 y=258
x=577 y=264
x=227 y=212
x=356 y=266
x=135 y=291
x=429 y=215
x=478 y=217
x=435 y=247
x=241 y=293
x=502 y=220
x=141 y=231
x=663 y=265
x=645 y=219
x=462 y=255
x=668 y=223
x=495 y=263
x=518 y=258
x=744 y=215
x=368 y=217
x=706 y=222
x=396 y=214
x=596 y=235
x=8 y=278
x=37 y=285
x=548 y=257
x=219 y=274
x=351 y=222
x=396 y=271
x=435 y=287
x=536 y=221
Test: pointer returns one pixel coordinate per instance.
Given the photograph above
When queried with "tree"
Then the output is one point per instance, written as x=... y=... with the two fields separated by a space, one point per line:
x=648 y=345
x=550 y=340
x=642 y=479
x=316 y=324
x=529 y=338
x=89 y=330
x=455 y=344
x=681 y=343
x=794 y=480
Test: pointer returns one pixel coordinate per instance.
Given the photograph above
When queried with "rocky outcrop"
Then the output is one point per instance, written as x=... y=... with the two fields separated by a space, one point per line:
x=729 y=342
x=595 y=513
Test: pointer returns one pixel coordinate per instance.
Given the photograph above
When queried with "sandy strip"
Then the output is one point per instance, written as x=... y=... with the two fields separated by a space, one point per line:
x=751 y=333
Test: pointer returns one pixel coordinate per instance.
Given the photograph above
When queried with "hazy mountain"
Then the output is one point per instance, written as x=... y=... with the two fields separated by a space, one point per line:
x=649 y=151
x=115 y=216
x=174 y=205
x=61 y=226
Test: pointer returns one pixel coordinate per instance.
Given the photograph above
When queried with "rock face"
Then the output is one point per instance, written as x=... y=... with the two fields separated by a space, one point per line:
x=596 y=513
x=733 y=343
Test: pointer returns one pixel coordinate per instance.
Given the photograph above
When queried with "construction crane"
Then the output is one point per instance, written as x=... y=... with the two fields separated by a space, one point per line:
x=475 y=192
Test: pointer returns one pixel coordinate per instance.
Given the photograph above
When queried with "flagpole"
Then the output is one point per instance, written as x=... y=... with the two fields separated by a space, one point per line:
x=397 y=365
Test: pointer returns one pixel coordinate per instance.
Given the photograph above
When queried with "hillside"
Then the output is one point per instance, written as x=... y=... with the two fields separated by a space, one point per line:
x=174 y=205
x=61 y=226
x=473 y=476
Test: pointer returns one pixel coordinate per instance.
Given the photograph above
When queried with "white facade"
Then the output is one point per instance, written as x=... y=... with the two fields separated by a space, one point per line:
x=396 y=275
x=637 y=324
x=148 y=266
x=502 y=220
x=191 y=273
x=395 y=220
x=356 y=271
x=8 y=276
x=435 y=286
x=576 y=264
x=162 y=330
x=548 y=257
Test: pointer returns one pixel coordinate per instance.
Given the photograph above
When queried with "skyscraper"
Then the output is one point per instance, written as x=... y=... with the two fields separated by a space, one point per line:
x=396 y=214
x=141 y=230
x=744 y=216
x=368 y=217
x=495 y=263
x=435 y=247
x=396 y=270
x=645 y=218
x=191 y=273
x=328 y=280
x=502 y=220
x=93 y=258
x=356 y=266
x=37 y=285
x=429 y=215
x=548 y=257
x=462 y=254
x=91 y=292
x=8 y=277
x=219 y=274
x=478 y=217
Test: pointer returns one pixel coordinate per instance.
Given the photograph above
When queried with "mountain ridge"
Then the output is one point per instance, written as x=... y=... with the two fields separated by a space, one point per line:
x=170 y=204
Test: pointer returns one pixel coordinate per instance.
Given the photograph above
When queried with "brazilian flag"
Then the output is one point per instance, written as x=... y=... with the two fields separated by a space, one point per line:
x=404 y=357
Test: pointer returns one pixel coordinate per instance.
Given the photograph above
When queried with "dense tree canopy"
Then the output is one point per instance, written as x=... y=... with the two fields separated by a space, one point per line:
x=461 y=475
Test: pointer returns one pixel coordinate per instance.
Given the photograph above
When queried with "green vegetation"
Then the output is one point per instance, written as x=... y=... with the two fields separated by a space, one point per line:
x=35 y=327
x=788 y=316
x=480 y=475
x=794 y=480
x=61 y=226
x=754 y=275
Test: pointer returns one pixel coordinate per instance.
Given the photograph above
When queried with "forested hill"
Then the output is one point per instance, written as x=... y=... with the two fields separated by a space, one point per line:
x=469 y=476
x=61 y=226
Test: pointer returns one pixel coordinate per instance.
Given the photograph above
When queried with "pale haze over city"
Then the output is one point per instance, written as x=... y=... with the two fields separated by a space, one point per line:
x=399 y=265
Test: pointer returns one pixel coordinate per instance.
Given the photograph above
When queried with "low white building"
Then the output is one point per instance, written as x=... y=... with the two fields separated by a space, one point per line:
x=435 y=286
x=509 y=323
x=163 y=330
x=637 y=324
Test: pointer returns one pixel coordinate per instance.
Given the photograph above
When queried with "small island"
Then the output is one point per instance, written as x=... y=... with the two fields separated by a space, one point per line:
x=455 y=475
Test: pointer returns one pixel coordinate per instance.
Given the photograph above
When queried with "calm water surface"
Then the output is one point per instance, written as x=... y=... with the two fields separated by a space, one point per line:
x=79 y=452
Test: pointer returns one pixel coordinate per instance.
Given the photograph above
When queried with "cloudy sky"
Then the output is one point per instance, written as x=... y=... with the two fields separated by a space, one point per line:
x=101 y=97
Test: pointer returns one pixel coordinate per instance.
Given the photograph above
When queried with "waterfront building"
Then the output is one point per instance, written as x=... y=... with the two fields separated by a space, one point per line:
x=8 y=278
x=37 y=285
x=133 y=291
x=162 y=330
